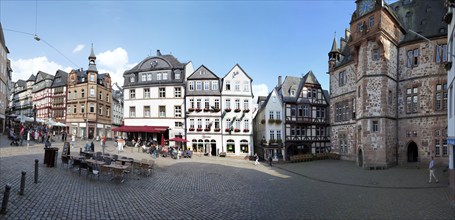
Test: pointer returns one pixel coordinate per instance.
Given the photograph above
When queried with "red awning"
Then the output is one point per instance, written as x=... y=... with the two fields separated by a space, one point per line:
x=178 y=139
x=150 y=129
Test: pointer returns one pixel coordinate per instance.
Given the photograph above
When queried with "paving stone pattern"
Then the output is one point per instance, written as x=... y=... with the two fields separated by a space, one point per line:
x=221 y=188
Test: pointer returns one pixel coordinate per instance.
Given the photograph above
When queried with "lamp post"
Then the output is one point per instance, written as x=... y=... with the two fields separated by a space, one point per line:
x=34 y=113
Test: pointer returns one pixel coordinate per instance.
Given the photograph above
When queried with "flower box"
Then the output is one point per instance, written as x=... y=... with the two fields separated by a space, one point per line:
x=246 y=110
x=236 y=130
x=271 y=121
x=227 y=130
x=237 y=110
x=263 y=121
x=199 y=129
x=207 y=129
x=217 y=129
x=198 y=109
x=206 y=109
x=246 y=130
x=191 y=129
x=228 y=109
x=216 y=110
x=278 y=121
x=191 y=109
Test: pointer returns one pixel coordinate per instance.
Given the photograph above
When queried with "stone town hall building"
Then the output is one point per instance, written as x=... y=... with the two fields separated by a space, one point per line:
x=388 y=84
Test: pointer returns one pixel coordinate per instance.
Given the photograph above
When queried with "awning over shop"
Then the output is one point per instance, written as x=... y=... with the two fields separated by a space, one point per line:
x=149 y=129
x=451 y=141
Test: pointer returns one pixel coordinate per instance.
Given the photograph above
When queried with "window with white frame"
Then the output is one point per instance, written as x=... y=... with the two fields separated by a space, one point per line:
x=92 y=108
x=131 y=79
x=228 y=123
x=143 y=77
x=246 y=104
x=191 y=103
x=147 y=93
x=199 y=123
x=206 y=85
x=92 y=92
x=217 y=123
x=246 y=124
x=177 y=75
x=237 y=123
x=278 y=115
x=271 y=115
x=177 y=92
x=207 y=123
x=158 y=76
x=441 y=53
x=272 y=135
x=214 y=85
x=162 y=92
x=278 y=134
x=198 y=103
x=217 y=103
x=146 y=111
x=149 y=76
x=375 y=127
x=237 y=85
x=206 y=104
x=162 y=111
x=192 y=123
x=132 y=111
x=228 y=85
x=100 y=112
x=75 y=94
x=74 y=109
x=228 y=103
x=164 y=76
x=198 y=85
x=82 y=108
x=92 y=78
x=237 y=104
x=108 y=111
x=82 y=93
x=132 y=93
x=191 y=85
x=246 y=86
x=178 y=111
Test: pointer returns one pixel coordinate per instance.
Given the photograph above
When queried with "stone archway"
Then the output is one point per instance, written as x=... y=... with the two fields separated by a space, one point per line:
x=360 y=158
x=413 y=152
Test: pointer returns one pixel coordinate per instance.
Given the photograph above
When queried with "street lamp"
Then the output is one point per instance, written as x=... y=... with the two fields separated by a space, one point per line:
x=34 y=113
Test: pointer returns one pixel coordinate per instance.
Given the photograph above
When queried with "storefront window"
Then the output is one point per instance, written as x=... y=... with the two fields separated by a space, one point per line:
x=230 y=146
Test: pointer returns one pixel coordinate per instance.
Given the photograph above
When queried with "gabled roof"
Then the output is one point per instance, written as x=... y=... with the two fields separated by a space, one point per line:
x=43 y=76
x=63 y=76
x=146 y=64
x=310 y=78
x=267 y=99
x=21 y=83
x=237 y=65
x=202 y=73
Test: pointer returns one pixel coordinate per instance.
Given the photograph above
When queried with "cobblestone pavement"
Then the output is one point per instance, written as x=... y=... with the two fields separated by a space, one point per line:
x=221 y=188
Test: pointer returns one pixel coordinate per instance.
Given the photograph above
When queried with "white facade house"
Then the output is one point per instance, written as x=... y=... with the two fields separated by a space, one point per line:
x=237 y=116
x=203 y=112
x=154 y=92
x=268 y=127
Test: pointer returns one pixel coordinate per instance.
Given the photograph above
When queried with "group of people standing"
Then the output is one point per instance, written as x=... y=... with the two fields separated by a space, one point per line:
x=32 y=132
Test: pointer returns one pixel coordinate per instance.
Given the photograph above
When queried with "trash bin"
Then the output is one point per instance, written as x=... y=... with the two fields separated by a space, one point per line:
x=50 y=156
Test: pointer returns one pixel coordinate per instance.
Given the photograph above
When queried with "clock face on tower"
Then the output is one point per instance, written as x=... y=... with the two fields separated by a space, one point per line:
x=365 y=6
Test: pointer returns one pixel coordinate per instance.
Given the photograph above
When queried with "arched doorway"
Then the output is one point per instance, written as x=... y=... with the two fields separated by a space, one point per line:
x=413 y=153
x=360 y=158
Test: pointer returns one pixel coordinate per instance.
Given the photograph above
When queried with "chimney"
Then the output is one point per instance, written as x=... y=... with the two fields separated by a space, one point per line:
x=279 y=81
x=158 y=52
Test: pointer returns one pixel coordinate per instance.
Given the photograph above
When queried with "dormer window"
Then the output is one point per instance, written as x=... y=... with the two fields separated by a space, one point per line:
x=292 y=92
x=92 y=78
x=131 y=79
x=82 y=79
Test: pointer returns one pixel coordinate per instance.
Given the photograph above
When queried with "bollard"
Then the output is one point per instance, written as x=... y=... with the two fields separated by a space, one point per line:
x=36 y=170
x=5 y=199
x=21 y=192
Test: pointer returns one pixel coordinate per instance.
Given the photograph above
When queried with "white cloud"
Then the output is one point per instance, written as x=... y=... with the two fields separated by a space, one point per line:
x=259 y=90
x=114 y=62
x=23 y=68
x=79 y=48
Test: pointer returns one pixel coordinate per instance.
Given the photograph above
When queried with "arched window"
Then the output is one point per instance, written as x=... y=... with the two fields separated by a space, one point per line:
x=244 y=146
x=230 y=146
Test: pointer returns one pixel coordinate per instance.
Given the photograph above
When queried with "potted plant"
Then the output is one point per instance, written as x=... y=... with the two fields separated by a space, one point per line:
x=227 y=109
x=236 y=130
x=191 y=129
x=206 y=109
x=271 y=120
x=198 y=109
x=217 y=129
x=199 y=129
x=246 y=130
x=448 y=65
x=191 y=109
x=278 y=121
x=246 y=110
x=216 y=109
x=237 y=110
x=263 y=121
x=207 y=129
x=227 y=129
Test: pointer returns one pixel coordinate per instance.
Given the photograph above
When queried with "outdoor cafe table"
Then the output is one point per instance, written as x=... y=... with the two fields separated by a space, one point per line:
x=95 y=161
x=119 y=168
x=125 y=160
x=88 y=154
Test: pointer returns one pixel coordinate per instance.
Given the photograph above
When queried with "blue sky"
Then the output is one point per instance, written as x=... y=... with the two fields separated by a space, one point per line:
x=266 y=38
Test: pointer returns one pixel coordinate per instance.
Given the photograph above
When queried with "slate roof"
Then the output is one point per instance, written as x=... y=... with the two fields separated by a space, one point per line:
x=2 y=38
x=21 y=83
x=63 y=76
x=31 y=78
x=44 y=76
x=421 y=16
x=170 y=59
x=208 y=74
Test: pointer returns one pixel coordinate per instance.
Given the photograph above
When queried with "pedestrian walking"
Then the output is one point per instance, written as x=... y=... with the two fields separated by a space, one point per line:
x=431 y=167
x=270 y=160
x=256 y=158
x=73 y=141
